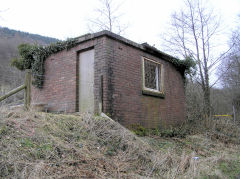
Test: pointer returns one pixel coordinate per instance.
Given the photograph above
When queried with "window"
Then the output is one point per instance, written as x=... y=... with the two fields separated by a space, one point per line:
x=152 y=77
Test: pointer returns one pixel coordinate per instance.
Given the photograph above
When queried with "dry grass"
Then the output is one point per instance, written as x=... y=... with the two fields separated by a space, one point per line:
x=43 y=145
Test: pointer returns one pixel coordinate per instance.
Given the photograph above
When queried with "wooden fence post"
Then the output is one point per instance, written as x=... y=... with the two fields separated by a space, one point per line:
x=234 y=113
x=27 y=92
x=100 y=95
x=12 y=92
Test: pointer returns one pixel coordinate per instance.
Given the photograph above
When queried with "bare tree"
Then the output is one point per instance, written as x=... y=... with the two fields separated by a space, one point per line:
x=193 y=32
x=108 y=17
x=230 y=72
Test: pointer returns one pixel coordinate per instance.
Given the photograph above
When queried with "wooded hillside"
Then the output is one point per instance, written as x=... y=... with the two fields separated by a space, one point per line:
x=9 y=41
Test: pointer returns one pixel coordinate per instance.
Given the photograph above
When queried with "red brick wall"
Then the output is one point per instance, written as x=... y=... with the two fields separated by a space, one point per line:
x=127 y=104
x=60 y=90
x=120 y=66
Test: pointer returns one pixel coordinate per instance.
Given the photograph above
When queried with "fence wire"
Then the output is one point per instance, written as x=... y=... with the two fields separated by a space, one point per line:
x=9 y=80
x=13 y=79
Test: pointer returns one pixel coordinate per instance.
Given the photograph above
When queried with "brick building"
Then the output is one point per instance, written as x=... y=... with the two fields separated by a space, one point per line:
x=134 y=83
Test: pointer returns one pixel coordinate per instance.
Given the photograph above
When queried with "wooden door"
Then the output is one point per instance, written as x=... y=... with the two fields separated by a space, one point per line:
x=86 y=81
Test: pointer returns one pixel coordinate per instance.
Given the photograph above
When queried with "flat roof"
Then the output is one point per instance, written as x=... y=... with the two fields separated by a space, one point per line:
x=144 y=47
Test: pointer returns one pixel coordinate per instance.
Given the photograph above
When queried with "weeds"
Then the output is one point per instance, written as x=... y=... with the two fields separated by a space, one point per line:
x=139 y=130
x=42 y=145
x=230 y=168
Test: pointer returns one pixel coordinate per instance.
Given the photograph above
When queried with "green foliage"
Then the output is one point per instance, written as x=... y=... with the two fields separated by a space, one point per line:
x=180 y=131
x=27 y=143
x=139 y=130
x=167 y=132
x=26 y=52
x=34 y=56
x=38 y=150
x=205 y=175
x=230 y=168
x=3 y=131
x=190 y=64
x=16 y=63
x=155 y=131
x=111 y=150
x=186 y=66
x=43 y=149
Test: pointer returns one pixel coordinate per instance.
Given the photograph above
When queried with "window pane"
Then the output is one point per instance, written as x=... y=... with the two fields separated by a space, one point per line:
x=151 y=74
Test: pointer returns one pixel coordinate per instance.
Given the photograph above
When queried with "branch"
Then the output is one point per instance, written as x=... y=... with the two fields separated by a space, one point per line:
x=219 y=58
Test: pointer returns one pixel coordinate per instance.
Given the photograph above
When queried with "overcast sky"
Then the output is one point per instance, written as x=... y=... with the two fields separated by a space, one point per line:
x=147 y=19
x=61 y=19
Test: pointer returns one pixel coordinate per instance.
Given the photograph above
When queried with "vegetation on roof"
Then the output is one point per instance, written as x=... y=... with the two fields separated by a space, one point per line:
x=185 y=66
x=33 y=57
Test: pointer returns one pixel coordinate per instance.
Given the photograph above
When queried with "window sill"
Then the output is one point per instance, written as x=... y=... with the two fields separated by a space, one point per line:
x=153 y=93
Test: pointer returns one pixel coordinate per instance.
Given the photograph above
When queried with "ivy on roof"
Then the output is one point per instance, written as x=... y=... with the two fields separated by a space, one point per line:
x=33 y=57
x=186 y=66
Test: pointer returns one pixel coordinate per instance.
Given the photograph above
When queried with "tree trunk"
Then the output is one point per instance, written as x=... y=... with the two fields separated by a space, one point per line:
x=207 y=104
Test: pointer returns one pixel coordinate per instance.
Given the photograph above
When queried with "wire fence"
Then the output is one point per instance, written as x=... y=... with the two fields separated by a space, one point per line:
x=61 y=93
x=9 y=80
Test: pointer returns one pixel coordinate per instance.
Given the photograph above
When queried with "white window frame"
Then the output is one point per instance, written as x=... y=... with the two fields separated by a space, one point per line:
x=160 y=86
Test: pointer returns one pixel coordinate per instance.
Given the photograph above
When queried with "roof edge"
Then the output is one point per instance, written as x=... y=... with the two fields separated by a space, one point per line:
x=144 y=47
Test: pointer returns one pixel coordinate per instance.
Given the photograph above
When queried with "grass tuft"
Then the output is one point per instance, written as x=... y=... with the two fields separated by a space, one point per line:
x=43 y=145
